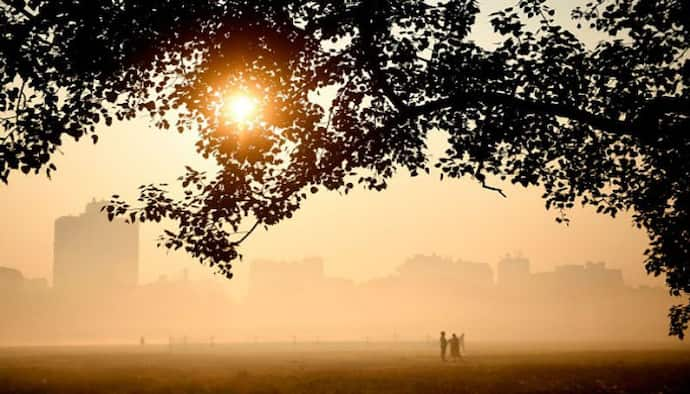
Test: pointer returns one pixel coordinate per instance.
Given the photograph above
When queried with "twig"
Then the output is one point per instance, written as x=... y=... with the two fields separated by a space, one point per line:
x=337 y=98
x=248 y=233
x=495 y=189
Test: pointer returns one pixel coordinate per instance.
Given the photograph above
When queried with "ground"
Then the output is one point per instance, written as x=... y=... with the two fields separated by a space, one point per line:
x=342 y=368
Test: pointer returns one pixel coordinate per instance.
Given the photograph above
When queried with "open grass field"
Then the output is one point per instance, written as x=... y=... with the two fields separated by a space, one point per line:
x=341 y=368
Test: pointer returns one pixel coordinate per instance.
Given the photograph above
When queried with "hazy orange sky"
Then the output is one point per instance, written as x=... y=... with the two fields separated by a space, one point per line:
x=362 y=235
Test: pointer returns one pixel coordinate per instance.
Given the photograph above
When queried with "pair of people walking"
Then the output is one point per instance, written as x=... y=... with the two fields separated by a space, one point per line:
x=456 y=344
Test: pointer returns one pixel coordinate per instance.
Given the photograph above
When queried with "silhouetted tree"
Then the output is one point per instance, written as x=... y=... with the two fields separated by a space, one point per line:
x=605 y=126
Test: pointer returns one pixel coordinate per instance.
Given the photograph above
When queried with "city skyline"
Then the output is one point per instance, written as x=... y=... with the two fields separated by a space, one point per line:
x=424 y=290
x=380 y=196
x=94 y=220
x=456 y=217
x=352 y=258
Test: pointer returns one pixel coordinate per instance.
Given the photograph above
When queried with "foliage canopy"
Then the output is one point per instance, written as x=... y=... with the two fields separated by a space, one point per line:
x=605 y=126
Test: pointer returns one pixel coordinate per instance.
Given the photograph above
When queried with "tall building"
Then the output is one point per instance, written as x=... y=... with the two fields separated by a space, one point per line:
x=91 y=252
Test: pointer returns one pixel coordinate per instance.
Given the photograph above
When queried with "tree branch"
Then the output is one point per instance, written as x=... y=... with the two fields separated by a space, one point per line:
x=635 y=128
x=337 y=98
x=371 y=57
x=492 y=188
x=248 y=233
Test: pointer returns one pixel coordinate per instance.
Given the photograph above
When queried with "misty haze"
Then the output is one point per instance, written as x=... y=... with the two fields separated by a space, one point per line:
x=96 y=297
x=295 y=319
x=344 y=196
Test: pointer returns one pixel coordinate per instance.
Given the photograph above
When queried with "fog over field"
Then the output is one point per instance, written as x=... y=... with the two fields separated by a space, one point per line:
x=344 y=196
x=396 y=266
x=96 y=297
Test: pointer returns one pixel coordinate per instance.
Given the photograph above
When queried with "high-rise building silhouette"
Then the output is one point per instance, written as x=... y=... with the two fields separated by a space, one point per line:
x=91 y=252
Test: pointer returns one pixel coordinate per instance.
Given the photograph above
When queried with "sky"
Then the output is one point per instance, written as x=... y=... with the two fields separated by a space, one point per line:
x=363 y=235
x=360 y=236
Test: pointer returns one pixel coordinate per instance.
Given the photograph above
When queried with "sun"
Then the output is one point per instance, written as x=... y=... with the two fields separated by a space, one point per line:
x=240 y=108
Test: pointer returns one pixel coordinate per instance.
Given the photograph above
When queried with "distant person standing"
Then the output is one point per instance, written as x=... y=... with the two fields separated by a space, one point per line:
x=454 y=348
x=461 y=344
x=444 y=345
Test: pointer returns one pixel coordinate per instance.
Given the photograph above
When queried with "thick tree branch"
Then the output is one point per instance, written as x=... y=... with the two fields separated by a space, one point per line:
x=367 y=28
x=378 y=76
x=650 y=111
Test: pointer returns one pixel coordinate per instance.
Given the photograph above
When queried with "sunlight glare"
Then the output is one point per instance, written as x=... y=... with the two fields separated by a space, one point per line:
x=240 y=108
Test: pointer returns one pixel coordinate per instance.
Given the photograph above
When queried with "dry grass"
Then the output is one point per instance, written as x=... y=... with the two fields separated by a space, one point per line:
x=329 y=368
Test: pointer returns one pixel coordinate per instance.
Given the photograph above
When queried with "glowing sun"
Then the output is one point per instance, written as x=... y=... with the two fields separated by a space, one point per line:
x=240 y=108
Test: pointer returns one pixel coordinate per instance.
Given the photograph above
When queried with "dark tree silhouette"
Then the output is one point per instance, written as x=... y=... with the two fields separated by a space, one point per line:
x=605 y=126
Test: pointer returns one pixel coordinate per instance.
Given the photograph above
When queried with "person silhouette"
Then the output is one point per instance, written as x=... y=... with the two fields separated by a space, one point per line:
x=444 y=344
x=454 y=348
x=461 y=344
